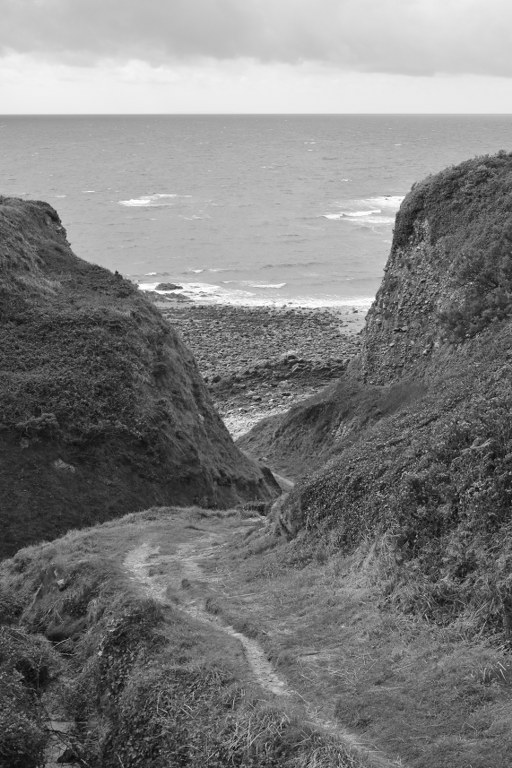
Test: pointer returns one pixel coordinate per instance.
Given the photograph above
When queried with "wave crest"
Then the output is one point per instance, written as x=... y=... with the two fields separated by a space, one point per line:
x=152 y=201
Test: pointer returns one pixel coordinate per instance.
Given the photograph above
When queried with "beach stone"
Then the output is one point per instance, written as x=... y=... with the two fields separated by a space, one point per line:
x=168 y=287
x=64 y=466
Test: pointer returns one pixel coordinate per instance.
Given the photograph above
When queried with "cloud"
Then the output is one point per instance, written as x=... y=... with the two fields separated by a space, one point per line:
x=414 y=37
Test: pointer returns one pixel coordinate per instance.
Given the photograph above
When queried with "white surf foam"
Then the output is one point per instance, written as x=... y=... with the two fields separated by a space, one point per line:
x=350 y=214
x=152 y=201
x=266 y=285
x=371 y=211
x=386 y=201
x=387 y=220
x=204 y=293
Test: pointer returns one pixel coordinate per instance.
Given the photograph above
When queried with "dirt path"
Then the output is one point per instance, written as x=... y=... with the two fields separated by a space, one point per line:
x=181 y=573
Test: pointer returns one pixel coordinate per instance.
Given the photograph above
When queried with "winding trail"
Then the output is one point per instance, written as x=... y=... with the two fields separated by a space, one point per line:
x=157 y=573
x=184 y=566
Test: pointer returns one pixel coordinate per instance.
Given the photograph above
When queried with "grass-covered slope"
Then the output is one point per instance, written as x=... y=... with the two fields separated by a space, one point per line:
x=102 y=409
x=129 y=634
x=413 y=448
x=139 y=682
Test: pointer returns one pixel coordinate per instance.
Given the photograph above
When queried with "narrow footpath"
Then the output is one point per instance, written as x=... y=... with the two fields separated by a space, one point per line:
x=181 y=575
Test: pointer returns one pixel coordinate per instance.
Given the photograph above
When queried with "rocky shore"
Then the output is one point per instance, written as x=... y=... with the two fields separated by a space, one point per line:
x=260 y=361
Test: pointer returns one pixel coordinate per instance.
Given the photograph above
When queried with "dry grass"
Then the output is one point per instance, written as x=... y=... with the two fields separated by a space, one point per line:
x=430 y=695
x=147 y=685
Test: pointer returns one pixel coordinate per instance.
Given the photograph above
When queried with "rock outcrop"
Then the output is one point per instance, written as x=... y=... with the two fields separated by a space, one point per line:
x=411 y=452
x=102 y=409
x=448 y=273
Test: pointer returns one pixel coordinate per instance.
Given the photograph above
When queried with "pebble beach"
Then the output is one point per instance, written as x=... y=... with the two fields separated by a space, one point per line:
x=260 y=361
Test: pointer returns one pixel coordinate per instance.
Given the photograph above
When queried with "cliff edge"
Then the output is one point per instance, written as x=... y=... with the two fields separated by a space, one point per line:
x=409 y=456
x=102 y=408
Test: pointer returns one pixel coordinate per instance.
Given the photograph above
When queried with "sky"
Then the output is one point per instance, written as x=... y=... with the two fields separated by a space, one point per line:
x=255 y=56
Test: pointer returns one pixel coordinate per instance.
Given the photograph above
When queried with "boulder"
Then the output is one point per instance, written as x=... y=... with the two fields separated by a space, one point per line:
x=168 y=287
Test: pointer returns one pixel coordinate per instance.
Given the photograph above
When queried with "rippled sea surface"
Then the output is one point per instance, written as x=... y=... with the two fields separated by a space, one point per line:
x=238 y=209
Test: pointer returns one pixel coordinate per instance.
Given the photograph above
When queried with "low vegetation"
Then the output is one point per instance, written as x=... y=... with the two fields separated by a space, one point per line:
x=145 y=685
x=431 y=694
x=413 y=447
x=435 y=479
x=102 y=408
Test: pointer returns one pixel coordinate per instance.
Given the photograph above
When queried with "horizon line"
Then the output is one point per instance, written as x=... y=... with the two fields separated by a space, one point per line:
x=255 y=114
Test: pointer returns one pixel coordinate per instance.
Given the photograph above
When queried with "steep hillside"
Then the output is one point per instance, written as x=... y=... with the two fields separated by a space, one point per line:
x=449 y=274
x=413 y=448
x=102 y=409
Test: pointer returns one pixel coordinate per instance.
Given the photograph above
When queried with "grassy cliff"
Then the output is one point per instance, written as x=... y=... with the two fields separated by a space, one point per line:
x=413 y=448
x=102 y=408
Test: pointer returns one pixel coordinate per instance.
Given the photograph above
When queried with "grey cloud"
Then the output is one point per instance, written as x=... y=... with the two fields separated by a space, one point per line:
x=393 y=36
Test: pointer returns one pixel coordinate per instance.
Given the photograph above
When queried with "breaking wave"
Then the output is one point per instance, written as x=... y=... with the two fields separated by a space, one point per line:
x=152 y=201
x=371 y=211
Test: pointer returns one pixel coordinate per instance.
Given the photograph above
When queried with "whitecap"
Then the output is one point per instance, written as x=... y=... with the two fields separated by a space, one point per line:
x=360 y=214
x=386 y=201
x=350 y=214
x=141 y=202
x=363 y=218
x=147 y=286
x=215 y=293
x=267 y=285
x=159 y=200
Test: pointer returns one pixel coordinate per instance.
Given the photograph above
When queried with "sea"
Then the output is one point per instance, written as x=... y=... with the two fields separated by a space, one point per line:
x=238 y=209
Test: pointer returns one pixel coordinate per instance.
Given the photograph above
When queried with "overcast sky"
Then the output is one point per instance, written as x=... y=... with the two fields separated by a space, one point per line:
x=255 y=56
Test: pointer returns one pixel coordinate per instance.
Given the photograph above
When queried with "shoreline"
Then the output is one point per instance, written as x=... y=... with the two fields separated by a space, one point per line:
x=260 y=361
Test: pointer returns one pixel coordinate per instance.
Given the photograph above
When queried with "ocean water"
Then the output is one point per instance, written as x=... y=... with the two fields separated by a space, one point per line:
x=238 y=209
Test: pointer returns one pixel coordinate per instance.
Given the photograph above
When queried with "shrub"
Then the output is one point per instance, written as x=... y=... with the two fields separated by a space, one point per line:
x=26 y=665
